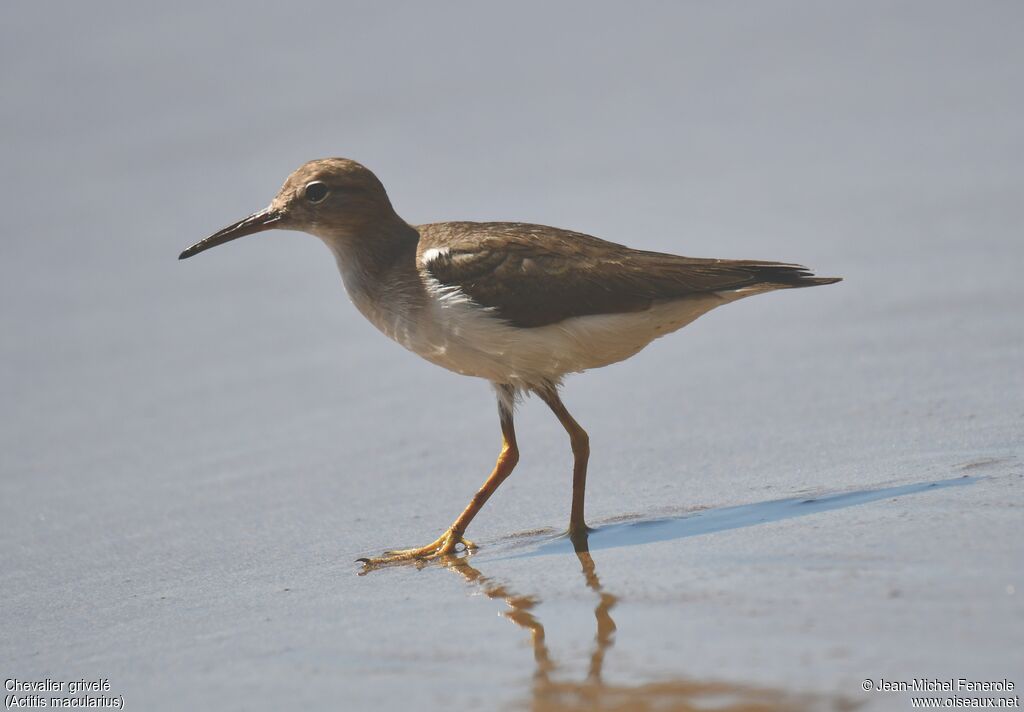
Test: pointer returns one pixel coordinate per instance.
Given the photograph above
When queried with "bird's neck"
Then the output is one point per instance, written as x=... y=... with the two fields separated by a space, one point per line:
x=377 y=264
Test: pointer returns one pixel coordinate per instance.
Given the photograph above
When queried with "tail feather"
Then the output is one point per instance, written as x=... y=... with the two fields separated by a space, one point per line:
x=786 y=275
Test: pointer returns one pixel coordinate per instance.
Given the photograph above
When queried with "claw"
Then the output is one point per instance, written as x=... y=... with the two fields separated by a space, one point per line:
x=444 y=545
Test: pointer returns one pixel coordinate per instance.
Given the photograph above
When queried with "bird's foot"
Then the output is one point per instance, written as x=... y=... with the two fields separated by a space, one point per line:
x=445 y=545
x=579 y=534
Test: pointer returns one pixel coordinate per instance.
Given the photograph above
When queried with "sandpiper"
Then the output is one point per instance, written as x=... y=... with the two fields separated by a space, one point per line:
x=519 y=305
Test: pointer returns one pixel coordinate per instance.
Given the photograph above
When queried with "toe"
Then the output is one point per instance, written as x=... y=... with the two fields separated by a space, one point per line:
x=445 y=545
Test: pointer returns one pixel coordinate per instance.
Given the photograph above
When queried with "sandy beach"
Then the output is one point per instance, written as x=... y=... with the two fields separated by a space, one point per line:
x=793 y=496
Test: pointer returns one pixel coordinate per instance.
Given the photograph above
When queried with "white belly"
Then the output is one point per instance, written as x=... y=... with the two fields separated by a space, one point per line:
x=450 y=330
x=469 y=340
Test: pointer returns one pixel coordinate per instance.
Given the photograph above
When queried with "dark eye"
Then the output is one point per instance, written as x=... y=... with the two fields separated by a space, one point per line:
x=316 y=191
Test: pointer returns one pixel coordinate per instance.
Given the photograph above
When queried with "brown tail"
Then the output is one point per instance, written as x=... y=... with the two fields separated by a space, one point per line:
x=786 y=275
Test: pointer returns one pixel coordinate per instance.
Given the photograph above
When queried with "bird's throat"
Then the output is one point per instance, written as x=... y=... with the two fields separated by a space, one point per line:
x=379 y=268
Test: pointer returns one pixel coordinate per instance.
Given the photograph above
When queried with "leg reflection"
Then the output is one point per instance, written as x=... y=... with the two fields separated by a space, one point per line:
x=553 y=693
x=518 y=612
x=602 y=613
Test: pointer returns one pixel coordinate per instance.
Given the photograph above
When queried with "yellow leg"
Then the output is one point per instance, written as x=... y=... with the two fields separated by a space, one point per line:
x=446 y=544
x=581 y=455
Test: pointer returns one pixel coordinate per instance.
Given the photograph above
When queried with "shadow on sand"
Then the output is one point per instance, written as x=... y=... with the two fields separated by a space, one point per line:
x=552 y=690
x=709 y=521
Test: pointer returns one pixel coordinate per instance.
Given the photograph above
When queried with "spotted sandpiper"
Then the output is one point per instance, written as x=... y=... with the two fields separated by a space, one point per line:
x=519 y=305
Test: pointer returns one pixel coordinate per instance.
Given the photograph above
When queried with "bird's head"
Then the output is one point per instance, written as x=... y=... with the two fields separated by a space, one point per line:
x=332 y=198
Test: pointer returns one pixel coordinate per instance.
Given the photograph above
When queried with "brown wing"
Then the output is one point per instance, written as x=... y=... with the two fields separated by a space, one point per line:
x=533 y=275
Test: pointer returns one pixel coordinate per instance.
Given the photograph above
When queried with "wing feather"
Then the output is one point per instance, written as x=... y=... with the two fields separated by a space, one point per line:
x=533 y=275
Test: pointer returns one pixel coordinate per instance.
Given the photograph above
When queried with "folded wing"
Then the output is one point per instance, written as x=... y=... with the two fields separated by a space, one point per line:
x=533 y=275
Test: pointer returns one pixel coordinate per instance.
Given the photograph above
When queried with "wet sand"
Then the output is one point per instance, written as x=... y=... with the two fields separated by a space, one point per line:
x=794 y=494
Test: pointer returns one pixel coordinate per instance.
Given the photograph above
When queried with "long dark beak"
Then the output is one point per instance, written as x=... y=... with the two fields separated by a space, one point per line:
x=265 y=219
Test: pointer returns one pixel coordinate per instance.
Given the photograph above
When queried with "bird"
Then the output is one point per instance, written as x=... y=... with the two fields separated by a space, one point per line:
x=517 y=304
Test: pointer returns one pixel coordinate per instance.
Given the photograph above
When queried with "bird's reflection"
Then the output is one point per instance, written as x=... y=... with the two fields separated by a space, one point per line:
x=551 y=692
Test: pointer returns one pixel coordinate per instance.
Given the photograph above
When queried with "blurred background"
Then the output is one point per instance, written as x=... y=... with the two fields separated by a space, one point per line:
x=193 y=454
